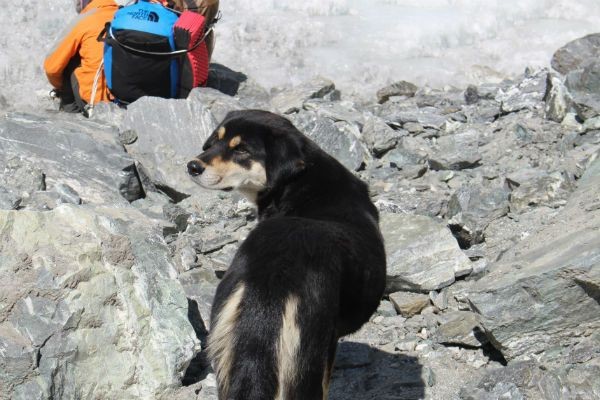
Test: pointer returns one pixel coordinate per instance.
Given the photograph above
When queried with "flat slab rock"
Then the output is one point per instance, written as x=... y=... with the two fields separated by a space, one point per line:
x=539 y=301
x=422 y=254
x=82 y=154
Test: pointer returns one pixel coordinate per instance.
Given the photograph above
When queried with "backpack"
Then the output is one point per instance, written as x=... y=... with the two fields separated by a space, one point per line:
x=150 y=50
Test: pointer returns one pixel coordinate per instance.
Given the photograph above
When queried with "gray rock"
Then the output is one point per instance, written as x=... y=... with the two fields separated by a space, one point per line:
x=84 y=155
x=456 y=152
x=440 y=300
x=544 y=295
x=21 y=176
x=218 y=103
x=9 y=200
x=291 y=100
x=90 y=306
x=584 y=84
x=472 y=208
x=128 y=136
x=402 y=158
x=586 y=80
x=558 y=99
x=67 y=193
x=571 y=56
x=461 y=328
x=386 y=309
x=339 y=139
x=378 y=135
x=408 y=304
x=531 y=380
x=336 y=110
x=422 y=253
x=484 y=111
x=526 y=94
x=533 y=187
x=162 y=154
x=401 y=88
x=471 y=94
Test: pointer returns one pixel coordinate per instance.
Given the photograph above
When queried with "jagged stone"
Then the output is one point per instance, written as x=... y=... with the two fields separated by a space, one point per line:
x=456 y=152
x=537 y=300
x=471 y=94
x=291 y=100
x=422 y=253
x=461 y=328
x=534 y=187
x=339 y=139
x=89 y=306
x=379 y=137
x=472 y=208
x=558 y=99
x=408 y=304
x=84 y=155
x=401 y=88
x=527 y=94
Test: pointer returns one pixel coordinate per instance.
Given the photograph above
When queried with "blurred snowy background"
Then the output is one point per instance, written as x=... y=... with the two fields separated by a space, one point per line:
x=361 y=45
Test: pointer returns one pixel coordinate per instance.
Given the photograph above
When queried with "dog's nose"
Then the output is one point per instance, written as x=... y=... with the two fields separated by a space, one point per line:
x=195 y=168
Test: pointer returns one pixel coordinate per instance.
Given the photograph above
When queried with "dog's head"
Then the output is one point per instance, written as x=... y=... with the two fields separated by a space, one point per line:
x=249 y=151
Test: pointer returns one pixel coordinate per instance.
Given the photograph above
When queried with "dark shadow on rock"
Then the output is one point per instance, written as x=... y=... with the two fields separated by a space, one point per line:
x=365 y=373
x=199 y=367
x=225 y=79
x=488 y=348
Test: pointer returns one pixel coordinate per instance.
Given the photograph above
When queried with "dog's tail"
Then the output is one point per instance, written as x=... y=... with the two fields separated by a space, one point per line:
x=277 y=348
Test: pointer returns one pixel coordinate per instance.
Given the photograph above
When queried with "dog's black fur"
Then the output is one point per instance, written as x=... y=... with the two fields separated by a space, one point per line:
x=317 y=241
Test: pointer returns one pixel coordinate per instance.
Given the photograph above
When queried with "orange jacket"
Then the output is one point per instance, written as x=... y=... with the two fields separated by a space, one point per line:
x=81 y=39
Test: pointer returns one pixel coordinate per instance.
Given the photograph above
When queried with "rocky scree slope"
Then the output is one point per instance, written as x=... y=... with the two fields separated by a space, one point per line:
x=490 y=207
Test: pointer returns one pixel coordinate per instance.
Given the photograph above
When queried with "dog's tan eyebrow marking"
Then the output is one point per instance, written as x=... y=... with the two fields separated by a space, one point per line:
x=235 y=141
x=221 y=133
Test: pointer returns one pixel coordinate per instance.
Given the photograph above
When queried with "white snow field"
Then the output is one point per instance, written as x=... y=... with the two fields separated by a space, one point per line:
x=361 y=45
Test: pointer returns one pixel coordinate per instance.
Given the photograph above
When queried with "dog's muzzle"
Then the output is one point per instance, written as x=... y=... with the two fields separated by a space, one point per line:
x=195 y=168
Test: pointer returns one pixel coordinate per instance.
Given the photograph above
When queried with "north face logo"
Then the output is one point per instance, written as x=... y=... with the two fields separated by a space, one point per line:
x=144 y=15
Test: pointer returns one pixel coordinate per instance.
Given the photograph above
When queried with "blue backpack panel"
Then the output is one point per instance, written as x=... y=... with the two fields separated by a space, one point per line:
x=139 y=51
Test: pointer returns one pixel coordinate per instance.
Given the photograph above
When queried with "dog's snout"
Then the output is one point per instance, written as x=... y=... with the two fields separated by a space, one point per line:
x=195 y=168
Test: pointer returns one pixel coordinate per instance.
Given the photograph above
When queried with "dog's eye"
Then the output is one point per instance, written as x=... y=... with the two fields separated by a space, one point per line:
x=241 y=151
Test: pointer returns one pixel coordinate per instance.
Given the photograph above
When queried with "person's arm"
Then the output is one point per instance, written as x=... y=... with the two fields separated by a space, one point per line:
x=57 y=60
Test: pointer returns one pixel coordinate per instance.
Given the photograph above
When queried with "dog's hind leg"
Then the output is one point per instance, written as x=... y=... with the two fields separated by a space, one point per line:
x=222 y=338
x=329 y=366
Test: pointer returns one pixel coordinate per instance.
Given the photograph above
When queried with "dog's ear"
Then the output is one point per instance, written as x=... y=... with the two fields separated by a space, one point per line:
x=284 y=158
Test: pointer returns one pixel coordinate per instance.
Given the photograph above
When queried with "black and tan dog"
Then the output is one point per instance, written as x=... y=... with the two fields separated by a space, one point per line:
x=311 y=271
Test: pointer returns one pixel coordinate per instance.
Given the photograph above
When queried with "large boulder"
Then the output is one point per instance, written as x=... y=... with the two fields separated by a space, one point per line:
x=43 y=152
x=422 y=254
x=171 y=132
x=339 y=139
x=90 y=306
x=572 y=55
x=546 y=297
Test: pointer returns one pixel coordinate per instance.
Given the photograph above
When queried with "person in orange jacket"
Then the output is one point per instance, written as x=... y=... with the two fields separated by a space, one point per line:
x=75 y=61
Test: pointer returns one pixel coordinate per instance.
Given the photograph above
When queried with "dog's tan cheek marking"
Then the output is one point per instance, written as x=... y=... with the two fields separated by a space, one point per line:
x=221 y=133
x=222 y=338
x=234 y=141
x=287 y=348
